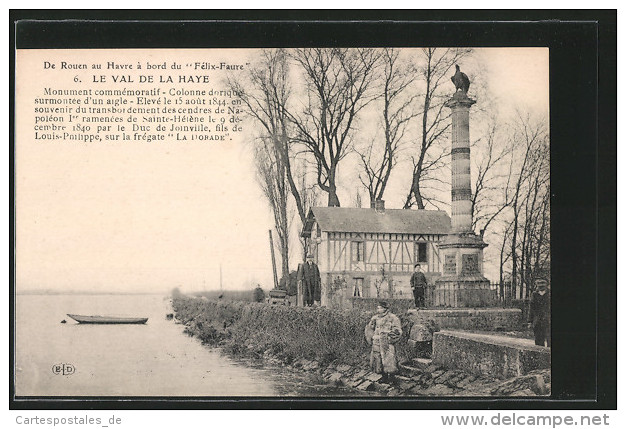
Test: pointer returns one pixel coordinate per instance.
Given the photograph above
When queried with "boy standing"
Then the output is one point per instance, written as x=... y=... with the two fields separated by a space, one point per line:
x=418 y=284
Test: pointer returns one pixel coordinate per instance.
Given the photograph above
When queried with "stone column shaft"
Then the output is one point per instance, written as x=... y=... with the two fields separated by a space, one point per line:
x=461 y=174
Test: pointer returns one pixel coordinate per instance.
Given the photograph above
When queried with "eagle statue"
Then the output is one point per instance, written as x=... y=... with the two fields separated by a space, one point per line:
x=460 y=80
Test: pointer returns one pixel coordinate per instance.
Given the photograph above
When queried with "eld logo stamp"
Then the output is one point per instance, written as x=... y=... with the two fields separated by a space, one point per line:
x=63 y=369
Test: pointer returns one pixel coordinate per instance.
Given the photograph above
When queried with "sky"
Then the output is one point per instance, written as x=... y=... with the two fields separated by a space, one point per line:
x=518 y=76
x=139 y=217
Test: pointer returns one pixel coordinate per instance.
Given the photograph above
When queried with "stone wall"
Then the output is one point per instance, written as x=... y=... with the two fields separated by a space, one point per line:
x=471 y=319
x=497 y=356
x=397 y=305
x=522 y=304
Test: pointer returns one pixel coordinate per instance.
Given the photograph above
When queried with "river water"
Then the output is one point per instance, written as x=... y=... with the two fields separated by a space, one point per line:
x=155 y=359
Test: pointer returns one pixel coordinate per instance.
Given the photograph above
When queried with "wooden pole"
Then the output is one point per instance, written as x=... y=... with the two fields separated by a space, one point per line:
x=273 y=261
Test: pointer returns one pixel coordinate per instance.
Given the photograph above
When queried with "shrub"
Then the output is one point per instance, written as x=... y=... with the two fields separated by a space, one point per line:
x=290 y=333
x=246 y=295
x=258 y=295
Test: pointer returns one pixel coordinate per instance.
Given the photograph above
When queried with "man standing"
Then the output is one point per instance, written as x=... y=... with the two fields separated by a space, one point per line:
x=310 y=281
x=418 y=284
x=386 y=330
x=539 y=314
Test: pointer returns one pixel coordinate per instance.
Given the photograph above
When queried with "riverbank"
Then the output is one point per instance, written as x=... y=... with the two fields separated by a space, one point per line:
x=287 y=333
x=330 y=344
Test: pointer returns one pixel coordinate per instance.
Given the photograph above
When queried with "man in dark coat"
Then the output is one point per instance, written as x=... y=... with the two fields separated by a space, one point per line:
x=539 y=314
x=309 y=278
x=418 y=284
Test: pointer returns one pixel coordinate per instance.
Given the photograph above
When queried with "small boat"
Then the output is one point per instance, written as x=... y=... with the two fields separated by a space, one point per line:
x=108 y=320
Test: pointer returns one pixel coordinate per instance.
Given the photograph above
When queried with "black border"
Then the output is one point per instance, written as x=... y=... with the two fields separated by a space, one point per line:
x=584 y=164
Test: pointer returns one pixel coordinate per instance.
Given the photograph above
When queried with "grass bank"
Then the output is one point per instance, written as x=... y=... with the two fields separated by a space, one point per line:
x=287 y=333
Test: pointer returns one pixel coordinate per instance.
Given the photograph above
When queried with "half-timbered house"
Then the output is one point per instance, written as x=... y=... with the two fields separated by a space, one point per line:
x=371 y=252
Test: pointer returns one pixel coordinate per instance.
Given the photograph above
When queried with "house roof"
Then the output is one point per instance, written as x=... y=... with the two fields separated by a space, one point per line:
x=395 y=221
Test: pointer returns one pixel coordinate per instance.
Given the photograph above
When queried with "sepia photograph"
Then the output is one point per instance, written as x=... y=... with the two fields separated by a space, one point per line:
x=285 y=221
x=306 y=221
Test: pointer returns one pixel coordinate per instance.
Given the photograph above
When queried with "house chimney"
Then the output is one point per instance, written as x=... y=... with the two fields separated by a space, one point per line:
x=379 y=206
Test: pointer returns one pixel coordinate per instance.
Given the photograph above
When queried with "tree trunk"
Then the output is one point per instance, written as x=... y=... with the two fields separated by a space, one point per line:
x=284 y=243
x=502 y=290
x=418 y=197
x=514 y=253
x=333 y=199
x=285 y=263
x=415 y=193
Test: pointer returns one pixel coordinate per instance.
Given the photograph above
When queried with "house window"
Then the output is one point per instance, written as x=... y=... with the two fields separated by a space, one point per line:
x=358 y=251
x=358 y=287
x=420 y=252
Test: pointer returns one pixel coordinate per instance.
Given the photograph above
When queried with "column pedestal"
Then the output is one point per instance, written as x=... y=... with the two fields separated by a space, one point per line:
x=462 y=283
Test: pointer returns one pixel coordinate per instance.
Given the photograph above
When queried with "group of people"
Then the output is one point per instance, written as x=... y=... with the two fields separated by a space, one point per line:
x=310 y=280
x=384 y=329
x=539 y=309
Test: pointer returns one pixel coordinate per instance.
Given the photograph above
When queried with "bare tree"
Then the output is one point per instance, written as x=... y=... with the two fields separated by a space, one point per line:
x=396 y=113
x=536 y=212
x=529 y=241
x=265 y=91
x=492 y=187
x=266 y=96
x=272 y=177
x=358 y=201
x=429 y=153
x=337 y=83
x=504 y=258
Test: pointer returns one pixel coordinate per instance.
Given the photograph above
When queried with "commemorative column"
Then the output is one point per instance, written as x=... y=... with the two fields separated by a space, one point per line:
x=462 y=283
